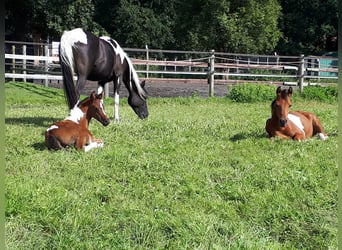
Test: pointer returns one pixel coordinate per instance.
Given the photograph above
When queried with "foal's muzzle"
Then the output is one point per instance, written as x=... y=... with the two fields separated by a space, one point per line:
x=282 y=122
x=105 y=122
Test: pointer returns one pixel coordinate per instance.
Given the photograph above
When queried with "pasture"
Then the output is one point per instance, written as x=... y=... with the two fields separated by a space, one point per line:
x=199 y=173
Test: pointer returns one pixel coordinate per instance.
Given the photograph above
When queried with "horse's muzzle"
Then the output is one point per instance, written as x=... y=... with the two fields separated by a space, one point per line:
x=282 y=122
x=143 y=115
x=105 y=122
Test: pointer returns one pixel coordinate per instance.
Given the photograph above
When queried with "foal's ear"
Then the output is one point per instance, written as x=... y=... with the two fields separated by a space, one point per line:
x=289 y=91
x=99 y=95
x=93 y=95
x=278 y=90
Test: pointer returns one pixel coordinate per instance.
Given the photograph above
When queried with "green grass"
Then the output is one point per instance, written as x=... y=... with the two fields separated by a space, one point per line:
x=199 y=173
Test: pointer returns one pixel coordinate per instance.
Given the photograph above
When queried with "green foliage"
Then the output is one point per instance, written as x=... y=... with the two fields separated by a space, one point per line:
x=255 y=26
x=307 y=26
x=199 y=173
x=234 y=26
x=249 y=92
x=319 y=93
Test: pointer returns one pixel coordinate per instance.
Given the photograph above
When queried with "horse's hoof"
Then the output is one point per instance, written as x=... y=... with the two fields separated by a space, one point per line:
x=322 y=136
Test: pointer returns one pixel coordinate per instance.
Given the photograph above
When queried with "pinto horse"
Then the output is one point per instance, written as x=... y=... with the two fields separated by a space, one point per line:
x=286 y=124
x=99 y=59
x=73 y=130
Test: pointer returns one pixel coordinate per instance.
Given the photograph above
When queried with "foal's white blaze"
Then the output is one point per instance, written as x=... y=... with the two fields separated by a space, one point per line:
x=296 y=120
x=75 y=115
x=52 y=127
x=100 y=91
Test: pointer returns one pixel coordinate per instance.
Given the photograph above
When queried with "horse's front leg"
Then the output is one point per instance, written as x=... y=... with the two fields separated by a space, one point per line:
x=92 y=142
x=117 y=82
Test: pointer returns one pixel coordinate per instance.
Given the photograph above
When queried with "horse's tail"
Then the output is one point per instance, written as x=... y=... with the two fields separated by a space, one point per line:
x=66 y=59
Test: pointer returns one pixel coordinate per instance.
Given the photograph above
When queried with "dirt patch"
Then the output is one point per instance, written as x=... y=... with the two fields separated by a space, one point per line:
x=162 y=88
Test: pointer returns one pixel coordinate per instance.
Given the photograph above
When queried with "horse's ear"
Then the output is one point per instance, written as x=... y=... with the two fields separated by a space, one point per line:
x=278 y=90
x=289 y=91
x=142 y=84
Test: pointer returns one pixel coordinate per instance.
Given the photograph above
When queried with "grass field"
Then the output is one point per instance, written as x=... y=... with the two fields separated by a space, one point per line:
x=199 y=173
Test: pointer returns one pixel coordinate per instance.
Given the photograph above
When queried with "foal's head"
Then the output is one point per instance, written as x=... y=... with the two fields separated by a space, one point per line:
x=281 y=105
x=95 y=108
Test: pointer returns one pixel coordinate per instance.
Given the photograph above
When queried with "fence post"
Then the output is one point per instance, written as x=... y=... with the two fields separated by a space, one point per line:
x=147 y=58
x=24 y=62
x=301 y=73
x=13 y=62
x=46 y=65
x=211 y=76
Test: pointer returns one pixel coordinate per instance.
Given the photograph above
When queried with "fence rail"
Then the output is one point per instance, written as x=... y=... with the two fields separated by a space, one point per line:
x=41 y=62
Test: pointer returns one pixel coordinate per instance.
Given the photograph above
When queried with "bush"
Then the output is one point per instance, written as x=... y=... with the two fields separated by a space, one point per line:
x=319 y=93
x=251 y=92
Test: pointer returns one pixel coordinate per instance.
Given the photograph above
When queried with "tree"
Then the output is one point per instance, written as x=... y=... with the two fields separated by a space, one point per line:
x=40 y=19
x=231 y=26
x=137 y=23
x=308 y=26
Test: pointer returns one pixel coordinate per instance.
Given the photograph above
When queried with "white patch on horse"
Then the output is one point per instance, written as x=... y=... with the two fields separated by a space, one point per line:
x=68 y=41
x=99 y=90
x=52 y=127
x=92 y=145
x=132 y=73
x=322 y=136
x=75 y=115
x=296 y=120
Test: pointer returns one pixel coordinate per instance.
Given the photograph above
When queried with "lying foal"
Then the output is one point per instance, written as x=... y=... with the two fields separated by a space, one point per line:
x=73 y=130
x=286 y=124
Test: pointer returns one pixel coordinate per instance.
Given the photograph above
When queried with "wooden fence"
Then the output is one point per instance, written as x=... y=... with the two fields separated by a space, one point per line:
x=40 y=62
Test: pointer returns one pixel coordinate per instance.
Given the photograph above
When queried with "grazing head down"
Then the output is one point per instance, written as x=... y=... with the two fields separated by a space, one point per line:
x=137 y=100
x=281 y=105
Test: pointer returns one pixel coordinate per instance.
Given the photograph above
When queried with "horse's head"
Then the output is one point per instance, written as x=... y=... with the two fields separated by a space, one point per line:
x=281 y=105
x=138 y=101
x=95 y=107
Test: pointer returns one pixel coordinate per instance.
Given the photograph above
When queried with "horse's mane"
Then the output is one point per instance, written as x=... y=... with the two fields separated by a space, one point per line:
x=133 y=75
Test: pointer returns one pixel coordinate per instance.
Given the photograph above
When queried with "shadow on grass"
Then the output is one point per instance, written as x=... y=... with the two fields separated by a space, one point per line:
x=37 y=121
x=255 y=135
x=39 y=146
x=246 y=136
x=39 y=90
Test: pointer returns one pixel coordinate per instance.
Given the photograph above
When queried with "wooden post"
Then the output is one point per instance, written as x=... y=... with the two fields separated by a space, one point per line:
x=106 y=90
x=46 y=65
x=13 y=62
x=147 y=58
x=211 y=73
x=24 y=62
x=301 y=73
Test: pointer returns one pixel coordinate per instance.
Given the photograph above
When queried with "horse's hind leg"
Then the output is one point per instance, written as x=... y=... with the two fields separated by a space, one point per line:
x=318 y=128
x=81 y=81
x=316 y=125
x=52 y=143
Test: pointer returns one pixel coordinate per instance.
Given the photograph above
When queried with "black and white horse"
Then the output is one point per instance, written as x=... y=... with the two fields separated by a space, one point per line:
x=99 y=59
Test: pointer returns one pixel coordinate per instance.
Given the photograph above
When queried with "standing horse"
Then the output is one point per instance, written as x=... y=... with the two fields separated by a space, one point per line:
x=73 y=130
x=103 y=60
x=286 y=124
